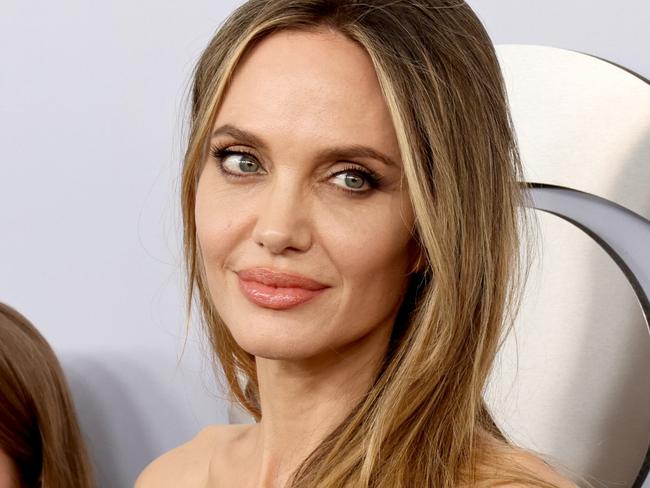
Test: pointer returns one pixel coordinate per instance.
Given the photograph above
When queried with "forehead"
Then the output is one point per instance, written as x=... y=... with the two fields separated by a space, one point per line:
x=311 y=86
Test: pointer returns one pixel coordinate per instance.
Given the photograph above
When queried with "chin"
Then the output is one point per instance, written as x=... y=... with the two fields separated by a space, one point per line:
x=280 y=337
x=278 y=348
x=272 y=334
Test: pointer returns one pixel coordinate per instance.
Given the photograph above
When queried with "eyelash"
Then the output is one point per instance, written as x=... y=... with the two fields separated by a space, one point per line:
x=373 y=179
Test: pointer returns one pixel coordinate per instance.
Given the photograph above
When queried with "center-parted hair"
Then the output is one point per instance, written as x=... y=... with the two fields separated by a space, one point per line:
x=423 y=422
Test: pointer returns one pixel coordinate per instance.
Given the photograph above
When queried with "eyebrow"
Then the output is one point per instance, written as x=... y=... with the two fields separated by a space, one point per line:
x=337 y=152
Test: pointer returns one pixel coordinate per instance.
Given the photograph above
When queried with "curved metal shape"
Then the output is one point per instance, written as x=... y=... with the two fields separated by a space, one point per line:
x=623 y=234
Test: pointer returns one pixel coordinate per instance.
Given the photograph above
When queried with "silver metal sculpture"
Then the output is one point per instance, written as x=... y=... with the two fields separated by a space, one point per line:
x=623 y=234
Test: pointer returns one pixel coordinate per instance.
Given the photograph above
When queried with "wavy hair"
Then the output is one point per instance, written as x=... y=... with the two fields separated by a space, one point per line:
x=424 y=421
x=38 y=424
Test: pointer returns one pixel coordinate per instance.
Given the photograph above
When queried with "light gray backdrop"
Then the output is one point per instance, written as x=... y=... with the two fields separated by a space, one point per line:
x=91 y=111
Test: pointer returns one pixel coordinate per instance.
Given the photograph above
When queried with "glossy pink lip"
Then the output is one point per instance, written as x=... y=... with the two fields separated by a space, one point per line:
x=277 y=290
x=278 y=279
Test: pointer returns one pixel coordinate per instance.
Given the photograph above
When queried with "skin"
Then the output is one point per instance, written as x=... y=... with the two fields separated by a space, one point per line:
x=300 y=93
x=8 y=474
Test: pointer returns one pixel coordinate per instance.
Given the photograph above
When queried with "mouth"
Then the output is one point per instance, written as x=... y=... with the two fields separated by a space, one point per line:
x=277 y=290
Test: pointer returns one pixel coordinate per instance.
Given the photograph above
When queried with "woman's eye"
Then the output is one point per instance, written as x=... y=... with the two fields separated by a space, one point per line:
x=243 y=165
x=358 y=181
x=236 y=163
x=352 y=181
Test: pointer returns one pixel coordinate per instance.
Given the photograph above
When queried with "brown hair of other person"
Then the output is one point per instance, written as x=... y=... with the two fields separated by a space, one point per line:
x=38 y=424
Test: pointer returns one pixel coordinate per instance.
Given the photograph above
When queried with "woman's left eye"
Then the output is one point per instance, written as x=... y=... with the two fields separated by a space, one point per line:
x=352 y=178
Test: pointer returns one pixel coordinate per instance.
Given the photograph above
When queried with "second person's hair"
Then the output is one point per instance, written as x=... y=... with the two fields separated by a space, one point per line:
x=38 y=424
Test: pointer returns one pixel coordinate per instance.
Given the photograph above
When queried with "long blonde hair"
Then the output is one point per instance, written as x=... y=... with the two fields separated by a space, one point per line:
x=38 y=424
x=423 y=421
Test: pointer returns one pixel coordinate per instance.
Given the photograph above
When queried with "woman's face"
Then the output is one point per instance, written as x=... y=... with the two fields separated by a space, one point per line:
x=301 y=107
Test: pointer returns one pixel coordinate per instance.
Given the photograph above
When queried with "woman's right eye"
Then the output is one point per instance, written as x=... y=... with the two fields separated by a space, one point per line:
x=235 y=163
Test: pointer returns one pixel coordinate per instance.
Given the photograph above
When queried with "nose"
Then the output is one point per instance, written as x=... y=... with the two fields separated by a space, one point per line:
x=282 y=219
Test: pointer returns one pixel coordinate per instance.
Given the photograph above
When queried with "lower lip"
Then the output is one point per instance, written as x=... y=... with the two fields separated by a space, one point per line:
x=276 y=298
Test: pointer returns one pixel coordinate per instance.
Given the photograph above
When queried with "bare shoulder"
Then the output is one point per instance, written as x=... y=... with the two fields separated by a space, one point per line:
x=539 y=467
x=185 y=465
x=532 y=463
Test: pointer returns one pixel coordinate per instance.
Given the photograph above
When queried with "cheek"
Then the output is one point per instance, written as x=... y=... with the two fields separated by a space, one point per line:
x=219 y=215
x=213 y=226
x=368 y=236
x=369 y=248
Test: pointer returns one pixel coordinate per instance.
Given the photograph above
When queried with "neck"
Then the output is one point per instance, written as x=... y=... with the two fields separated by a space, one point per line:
x=304 y=400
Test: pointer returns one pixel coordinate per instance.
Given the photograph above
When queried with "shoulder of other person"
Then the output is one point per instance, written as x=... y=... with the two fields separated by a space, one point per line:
x=185 y=465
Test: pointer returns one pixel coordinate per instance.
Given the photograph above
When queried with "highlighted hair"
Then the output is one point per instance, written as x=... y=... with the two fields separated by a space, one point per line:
x=423 y=421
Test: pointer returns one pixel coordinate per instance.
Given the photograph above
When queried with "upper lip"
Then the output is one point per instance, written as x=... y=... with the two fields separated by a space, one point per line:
x=279 y=279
